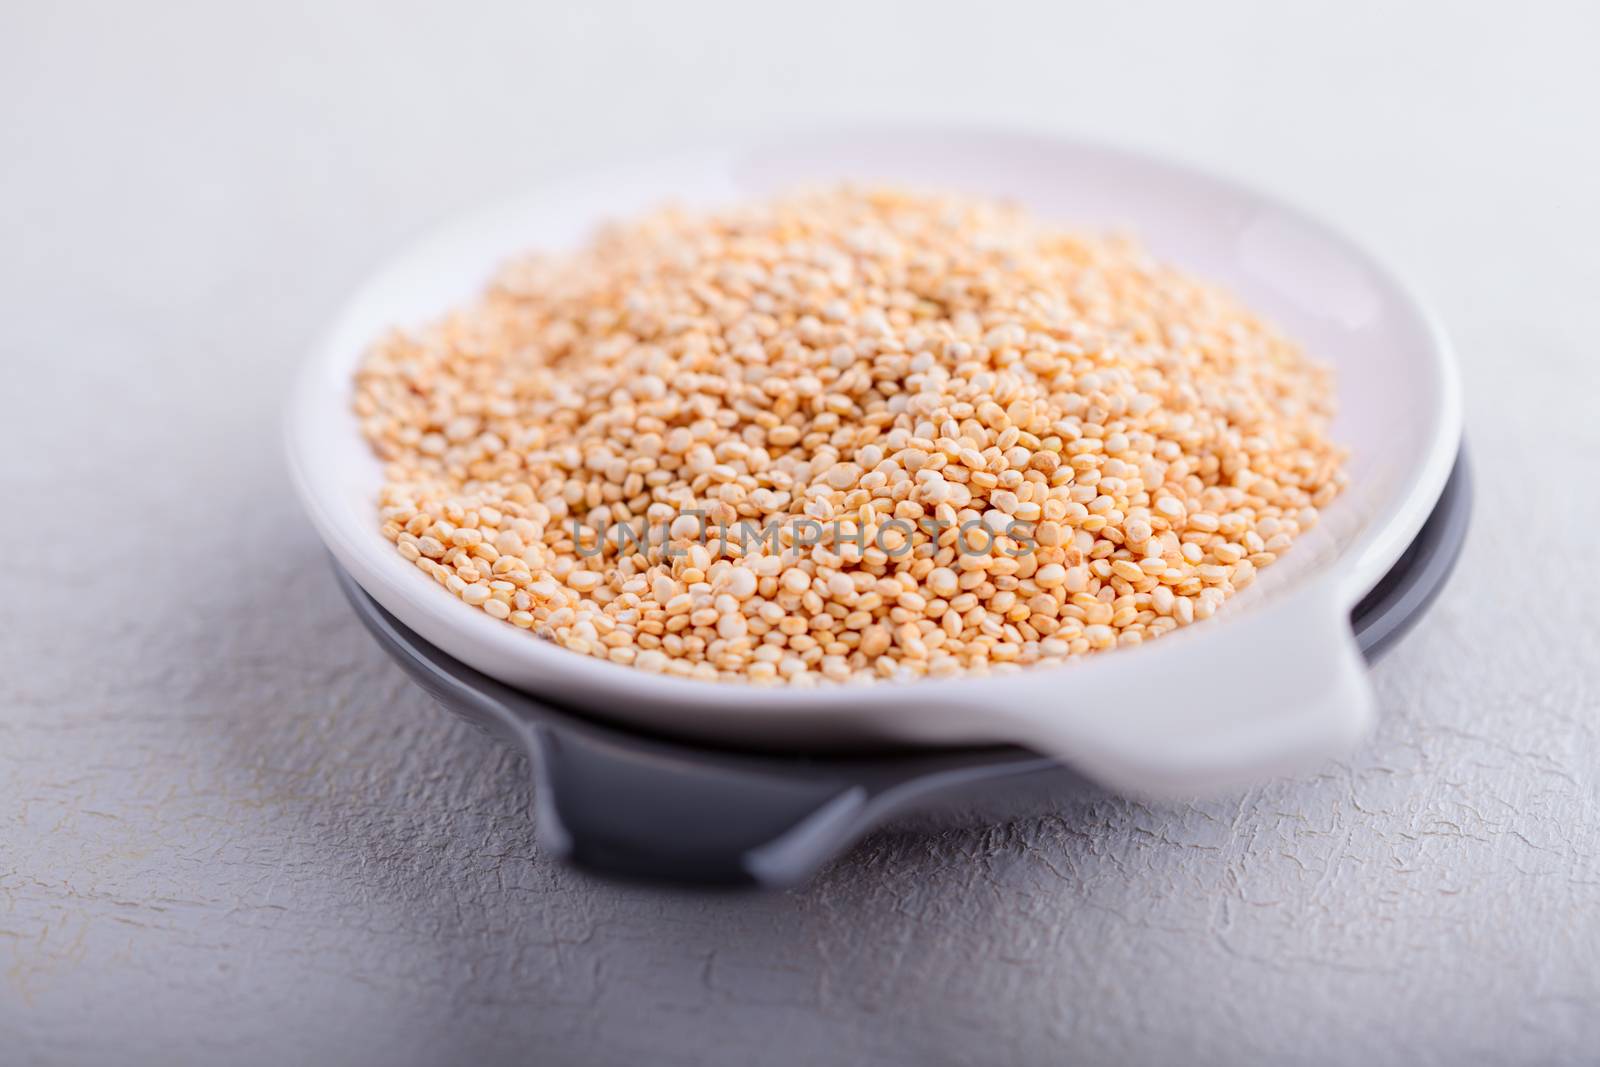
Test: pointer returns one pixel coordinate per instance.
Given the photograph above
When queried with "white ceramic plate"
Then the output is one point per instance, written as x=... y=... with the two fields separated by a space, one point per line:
x=1272 y=680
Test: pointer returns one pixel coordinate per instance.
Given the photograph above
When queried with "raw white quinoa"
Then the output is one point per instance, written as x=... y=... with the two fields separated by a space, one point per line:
x=960 y=439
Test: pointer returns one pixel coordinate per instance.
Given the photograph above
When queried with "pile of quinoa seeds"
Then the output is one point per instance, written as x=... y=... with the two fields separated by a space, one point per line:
x=848 y=434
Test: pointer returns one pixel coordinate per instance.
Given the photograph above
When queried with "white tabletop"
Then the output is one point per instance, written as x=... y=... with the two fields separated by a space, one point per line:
x=231 y=829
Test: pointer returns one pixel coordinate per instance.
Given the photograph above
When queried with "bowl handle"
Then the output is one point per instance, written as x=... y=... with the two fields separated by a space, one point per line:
x=1278 y=684
x=629 y=811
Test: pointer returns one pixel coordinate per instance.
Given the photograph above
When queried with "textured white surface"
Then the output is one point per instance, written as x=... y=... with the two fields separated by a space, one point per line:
x=230 y=829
